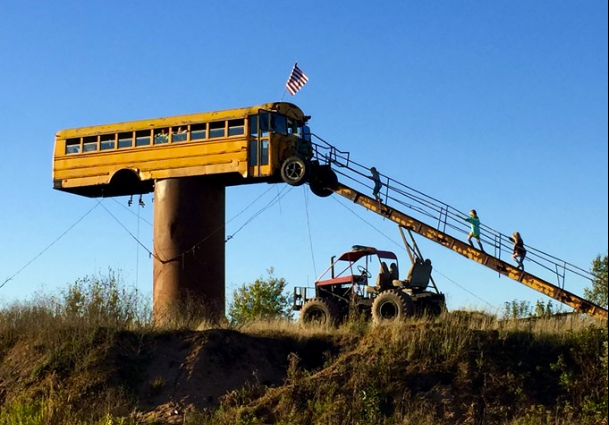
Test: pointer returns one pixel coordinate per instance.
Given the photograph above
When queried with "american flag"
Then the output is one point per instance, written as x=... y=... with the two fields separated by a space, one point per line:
x=296 y=81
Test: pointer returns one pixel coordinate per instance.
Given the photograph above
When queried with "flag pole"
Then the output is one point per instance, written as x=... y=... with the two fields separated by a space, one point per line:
x=285 y=86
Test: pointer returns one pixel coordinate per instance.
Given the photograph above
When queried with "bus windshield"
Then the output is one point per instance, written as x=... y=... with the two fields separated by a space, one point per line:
x=280 y=124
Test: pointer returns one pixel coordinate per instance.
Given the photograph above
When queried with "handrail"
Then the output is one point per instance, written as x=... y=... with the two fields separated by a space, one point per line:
x=468 y=251
x=448 y=220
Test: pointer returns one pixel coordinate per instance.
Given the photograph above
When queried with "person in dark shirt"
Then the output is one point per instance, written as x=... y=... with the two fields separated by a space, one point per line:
x=376 y=177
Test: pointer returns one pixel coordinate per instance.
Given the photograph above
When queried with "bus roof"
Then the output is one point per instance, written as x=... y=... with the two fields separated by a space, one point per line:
x=285 y=108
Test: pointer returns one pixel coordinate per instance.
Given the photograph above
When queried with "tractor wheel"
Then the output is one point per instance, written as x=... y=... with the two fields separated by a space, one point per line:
x=323 y=180
x=295 y=171
x=319 y=311
x=430 y=308
x=392 y=305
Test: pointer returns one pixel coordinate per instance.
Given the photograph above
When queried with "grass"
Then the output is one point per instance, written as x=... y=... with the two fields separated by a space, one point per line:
x=452 y=370
x=78 y=358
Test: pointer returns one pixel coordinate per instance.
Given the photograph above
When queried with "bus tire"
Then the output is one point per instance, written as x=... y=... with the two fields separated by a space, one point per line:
x=392 y=305
x=320 y=191
x=319 y=311
x=323 y=181
x=295 y=171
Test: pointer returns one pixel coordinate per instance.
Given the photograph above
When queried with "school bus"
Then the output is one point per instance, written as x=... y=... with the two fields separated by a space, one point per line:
x=268 y=142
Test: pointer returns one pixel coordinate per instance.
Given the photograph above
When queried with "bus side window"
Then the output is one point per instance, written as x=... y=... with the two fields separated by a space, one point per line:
x=236 y=127
x=89 y=144
x=142 y=138
x=264 y=123
x=253 y=119
x=179 y=134
x=161 y=136
x=253 y=152
x=198 y=131
x=264 y=152
x=73 y=146
x=217 y=129
x=108 y=141
x=125 y=140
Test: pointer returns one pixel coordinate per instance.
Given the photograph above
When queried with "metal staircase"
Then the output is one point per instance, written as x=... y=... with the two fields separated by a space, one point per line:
x=447 y=221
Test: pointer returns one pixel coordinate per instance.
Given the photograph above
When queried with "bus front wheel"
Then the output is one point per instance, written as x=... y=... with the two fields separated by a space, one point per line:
x=295 y=171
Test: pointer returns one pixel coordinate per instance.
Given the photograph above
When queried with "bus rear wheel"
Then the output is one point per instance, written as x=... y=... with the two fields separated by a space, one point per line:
x=126 y=182
x=295 y=171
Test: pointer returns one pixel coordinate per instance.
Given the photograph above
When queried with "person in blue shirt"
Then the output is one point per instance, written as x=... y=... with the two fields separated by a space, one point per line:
x=474 y=232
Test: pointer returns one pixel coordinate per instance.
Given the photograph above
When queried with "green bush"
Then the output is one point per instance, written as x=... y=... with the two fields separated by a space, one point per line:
x=263 y=299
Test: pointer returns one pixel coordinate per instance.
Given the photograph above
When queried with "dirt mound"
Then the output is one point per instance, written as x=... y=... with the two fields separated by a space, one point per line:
x=188 y=371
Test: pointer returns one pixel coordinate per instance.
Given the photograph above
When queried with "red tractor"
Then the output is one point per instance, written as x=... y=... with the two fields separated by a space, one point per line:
x=348 y=287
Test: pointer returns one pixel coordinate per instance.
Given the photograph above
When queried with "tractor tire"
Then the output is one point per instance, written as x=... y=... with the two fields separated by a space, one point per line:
x=392 y=305
x=323 y=180
x=319 y=311
x=295 y=171
x=430 y=308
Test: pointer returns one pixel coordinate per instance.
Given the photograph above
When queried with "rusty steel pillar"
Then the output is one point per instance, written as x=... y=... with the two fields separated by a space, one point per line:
x=188 y=236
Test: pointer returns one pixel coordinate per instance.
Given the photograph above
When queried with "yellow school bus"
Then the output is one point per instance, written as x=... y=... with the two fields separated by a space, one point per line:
x=268 y=142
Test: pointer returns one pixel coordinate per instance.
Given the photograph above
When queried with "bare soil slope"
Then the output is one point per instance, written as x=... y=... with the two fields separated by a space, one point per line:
x=193 y=370
x=169 y=373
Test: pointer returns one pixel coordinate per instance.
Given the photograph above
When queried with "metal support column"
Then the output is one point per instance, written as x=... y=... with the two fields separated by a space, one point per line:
x=188 y=271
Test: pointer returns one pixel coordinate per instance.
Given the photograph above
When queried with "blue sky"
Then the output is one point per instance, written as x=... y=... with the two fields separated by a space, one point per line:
x=499 y=106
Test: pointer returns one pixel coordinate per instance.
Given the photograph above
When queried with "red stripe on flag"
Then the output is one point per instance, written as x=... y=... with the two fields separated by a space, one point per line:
x=296 y=80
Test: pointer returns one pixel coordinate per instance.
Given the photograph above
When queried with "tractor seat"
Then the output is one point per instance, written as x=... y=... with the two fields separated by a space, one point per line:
x=370 y=289
x=419 y=275
x=383 y=279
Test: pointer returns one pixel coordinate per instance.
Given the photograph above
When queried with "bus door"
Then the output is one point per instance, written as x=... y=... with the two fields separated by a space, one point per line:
x=259 y=152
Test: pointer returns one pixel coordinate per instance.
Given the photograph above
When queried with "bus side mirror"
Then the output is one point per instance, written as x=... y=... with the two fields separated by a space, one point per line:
x=306 y=133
